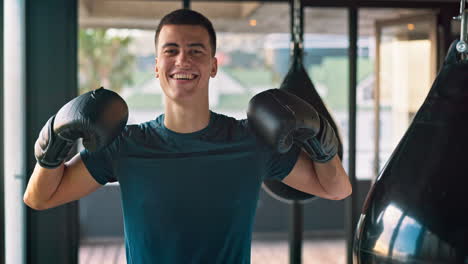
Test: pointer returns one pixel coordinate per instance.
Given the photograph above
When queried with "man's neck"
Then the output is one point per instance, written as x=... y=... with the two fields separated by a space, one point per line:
x=186 y=119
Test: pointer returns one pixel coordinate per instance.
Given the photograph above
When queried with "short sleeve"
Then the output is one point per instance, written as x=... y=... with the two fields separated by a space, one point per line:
x=280 y=165
x=100 y=164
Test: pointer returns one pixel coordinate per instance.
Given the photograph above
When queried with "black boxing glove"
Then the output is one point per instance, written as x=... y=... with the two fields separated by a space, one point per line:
x=282 y=119
x=97 y=116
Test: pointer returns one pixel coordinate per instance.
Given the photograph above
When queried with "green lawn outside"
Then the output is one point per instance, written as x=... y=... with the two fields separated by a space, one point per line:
x=333 y=73
x=250 y=77
x=140 y=77
x=234 y=101
x=145 y=101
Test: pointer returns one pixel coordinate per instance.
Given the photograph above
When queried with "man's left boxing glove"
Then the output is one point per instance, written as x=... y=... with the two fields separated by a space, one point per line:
x=97 y=116
x=282 y=119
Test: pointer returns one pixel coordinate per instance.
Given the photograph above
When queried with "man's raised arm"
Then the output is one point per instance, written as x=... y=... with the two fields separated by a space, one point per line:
x=97 y=117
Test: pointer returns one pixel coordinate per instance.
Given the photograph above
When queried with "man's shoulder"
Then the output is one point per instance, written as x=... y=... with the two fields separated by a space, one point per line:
x=227 y=119
x=229 y=122
x=139 y=131
x=231 y=128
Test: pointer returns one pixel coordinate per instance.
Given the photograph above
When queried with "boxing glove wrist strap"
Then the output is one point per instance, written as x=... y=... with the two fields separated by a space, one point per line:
x=323 y=146
x=50 y=149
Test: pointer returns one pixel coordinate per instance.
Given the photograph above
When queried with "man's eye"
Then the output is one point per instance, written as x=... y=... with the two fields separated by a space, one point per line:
x=197 y=51
x=171 y=51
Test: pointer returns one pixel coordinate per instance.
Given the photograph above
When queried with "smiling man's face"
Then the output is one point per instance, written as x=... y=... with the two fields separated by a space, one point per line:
x=184 y=63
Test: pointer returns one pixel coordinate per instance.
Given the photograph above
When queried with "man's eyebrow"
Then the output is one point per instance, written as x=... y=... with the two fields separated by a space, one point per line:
x=197 y=45
x=170 y=44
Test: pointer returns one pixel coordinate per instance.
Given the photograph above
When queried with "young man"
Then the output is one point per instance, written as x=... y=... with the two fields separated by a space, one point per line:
x=190 y=179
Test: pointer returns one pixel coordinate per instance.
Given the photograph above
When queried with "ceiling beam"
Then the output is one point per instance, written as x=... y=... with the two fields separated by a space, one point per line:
x=342 y=3
x=118 y=22
x=85 y=7
x=318 y=3
x=249 y=8
x=382 y=3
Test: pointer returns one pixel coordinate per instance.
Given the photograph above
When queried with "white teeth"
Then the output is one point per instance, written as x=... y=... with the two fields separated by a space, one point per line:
x=182 y=76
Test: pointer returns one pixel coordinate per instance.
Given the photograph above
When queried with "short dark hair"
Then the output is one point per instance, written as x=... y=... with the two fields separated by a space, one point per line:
x=187 y=17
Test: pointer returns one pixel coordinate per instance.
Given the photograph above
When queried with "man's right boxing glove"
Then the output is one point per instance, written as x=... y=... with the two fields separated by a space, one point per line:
x=281 y=119
x=97 y=116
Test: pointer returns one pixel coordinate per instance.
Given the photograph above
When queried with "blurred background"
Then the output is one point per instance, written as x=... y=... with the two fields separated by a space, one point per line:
x=399 y=48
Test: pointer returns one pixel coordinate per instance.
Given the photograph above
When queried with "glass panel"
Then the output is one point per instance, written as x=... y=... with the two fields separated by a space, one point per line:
x=326 y=61
x=366 y=93
x=247 y=51
x=407 y=70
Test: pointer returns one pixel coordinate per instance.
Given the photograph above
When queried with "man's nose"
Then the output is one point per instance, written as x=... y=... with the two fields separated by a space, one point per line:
x=183 y=60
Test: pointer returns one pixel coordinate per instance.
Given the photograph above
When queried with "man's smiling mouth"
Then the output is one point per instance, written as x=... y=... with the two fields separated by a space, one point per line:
x=183 y=76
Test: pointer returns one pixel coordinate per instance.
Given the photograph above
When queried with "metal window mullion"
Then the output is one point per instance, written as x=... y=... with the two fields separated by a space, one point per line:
x=352 y=211
x=2 y=198
x=14 y=130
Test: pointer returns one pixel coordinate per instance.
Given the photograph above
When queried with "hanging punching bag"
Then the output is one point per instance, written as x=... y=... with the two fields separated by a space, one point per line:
x=417 y=210
x=297 y=82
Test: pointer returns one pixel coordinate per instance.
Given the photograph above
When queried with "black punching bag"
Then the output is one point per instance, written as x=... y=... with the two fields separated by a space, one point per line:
x=417 y=210
x=297 y=82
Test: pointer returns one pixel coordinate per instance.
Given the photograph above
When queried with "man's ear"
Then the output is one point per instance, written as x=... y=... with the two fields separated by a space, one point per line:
x=156 y=67
x=214 y=67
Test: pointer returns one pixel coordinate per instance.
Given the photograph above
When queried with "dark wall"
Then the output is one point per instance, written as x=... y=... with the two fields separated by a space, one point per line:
x=51 y=81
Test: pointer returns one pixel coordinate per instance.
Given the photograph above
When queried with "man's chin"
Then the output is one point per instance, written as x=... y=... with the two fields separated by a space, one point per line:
x=183 y=97
x=183 y=93
x=183 y=89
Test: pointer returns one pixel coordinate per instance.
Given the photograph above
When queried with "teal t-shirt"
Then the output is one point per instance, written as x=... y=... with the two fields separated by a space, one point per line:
x=188 y=198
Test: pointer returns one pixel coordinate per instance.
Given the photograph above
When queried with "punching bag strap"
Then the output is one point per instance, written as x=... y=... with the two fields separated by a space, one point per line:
x=462 y=45
x=297 y=26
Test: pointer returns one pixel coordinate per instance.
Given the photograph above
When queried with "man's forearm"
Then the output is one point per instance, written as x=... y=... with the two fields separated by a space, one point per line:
x=42 y=185
x=333 y=178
